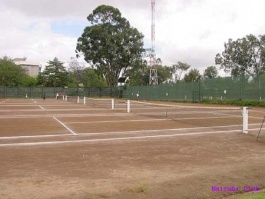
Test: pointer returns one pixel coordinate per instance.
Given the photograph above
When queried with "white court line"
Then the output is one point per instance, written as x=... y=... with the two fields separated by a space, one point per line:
x=63 y=115
x=117 y=132
x=64 y=126
x=113 y=121
x=41 y=107
x=114 y=139
x=34 y=136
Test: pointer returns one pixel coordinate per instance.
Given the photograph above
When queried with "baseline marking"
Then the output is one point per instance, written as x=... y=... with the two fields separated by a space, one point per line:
x=64 y=126
x=114 y=139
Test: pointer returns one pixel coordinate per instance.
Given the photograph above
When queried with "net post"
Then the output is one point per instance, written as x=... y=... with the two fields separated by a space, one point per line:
x=63 y=97
x=245 y=120
x=84 y=100
x=128 y=106
x=78 y=99
x=112 y=104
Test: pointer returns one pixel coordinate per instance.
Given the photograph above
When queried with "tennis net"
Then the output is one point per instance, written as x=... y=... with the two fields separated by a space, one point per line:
x=195 y=115
x=99 y=102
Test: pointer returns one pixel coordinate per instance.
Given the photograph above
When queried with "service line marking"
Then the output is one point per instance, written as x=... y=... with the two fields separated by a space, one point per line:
x=114 y=139
x=64 y=126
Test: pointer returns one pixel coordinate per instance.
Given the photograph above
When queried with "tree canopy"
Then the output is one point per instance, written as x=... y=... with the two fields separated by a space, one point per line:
x=10 y=73
x=110 y=43
x=192 y=76
x=210 y=72
x=54 y=75
x=245 y=56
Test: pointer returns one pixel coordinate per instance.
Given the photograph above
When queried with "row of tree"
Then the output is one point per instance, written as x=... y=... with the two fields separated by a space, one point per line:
x=113 y=48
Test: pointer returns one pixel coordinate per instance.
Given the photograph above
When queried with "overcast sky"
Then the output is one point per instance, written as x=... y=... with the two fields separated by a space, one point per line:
x=190 y=31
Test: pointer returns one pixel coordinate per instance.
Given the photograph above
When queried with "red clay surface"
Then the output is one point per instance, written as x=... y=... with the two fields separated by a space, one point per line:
x=57 y=149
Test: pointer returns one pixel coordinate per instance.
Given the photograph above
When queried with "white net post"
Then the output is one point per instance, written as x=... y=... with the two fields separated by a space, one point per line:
x=78 y=99
x=63 y=97
x=112 y=104
x=84 y=100
x=245 y=120
x=128 y=106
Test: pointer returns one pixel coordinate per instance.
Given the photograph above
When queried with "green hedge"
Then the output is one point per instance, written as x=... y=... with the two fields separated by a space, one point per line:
x=235 y=102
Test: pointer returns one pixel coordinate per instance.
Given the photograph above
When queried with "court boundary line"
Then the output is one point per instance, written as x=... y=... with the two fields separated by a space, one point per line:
x=114 y=139
x=115 y=132
x=64 y=126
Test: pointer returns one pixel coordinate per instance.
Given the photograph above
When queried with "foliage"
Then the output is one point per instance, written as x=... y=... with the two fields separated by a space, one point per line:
x=139 y=75
x=178 y=70
x=29 y=81
x=245 y=56
x=210 y=72
x=54 y=75
x=253 y=103
x=164 y=73
x=76 y=74
x=92 y=79
x=192 y=76
x=10 y=73
x=110 y=43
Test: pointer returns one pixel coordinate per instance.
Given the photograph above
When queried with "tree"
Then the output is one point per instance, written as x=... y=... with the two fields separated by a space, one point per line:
x=10 y=73
x=178 y=70
x=76 y=72
x=54 y=75
x=210 y=72
x=244 y=56
x=192 y=76
x=110 y=43
x=92 y=79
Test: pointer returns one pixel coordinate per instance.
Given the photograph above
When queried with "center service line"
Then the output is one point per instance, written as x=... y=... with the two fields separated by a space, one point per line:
x=64 y=126
x=42 y=108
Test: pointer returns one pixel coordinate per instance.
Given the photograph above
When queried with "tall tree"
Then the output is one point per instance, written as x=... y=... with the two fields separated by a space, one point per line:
x=244 y=56
x=10 y=73
x=76 y=72
x=178 y=70
x=192 y=76
x=54 y=75
x=110 y=43
x=210 y=72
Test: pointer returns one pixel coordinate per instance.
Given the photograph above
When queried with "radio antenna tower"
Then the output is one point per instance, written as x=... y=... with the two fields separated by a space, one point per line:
x=153 y=79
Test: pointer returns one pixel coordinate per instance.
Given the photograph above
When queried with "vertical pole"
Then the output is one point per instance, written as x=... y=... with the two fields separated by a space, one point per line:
x=112 y=104
x=84 y=100
x=78 y=99
x=245 y=120
x=66 y=98
x=128 y=106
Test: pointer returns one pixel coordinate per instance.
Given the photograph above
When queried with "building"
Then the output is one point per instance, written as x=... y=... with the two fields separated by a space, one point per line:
x=31 y=68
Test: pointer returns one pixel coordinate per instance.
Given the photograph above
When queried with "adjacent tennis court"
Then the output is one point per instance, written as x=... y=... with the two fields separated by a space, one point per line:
x=87 y=148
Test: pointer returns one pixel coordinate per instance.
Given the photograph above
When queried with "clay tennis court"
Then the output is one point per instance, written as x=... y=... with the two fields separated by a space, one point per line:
x=60 y=149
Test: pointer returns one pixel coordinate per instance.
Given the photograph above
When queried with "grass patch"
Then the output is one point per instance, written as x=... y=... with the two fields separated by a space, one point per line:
x=140 y=188
x=249 y=195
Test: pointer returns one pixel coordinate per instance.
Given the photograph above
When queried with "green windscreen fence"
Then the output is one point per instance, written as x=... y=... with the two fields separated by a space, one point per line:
x=232 y=88
x=50 y=92
x=239 y=88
